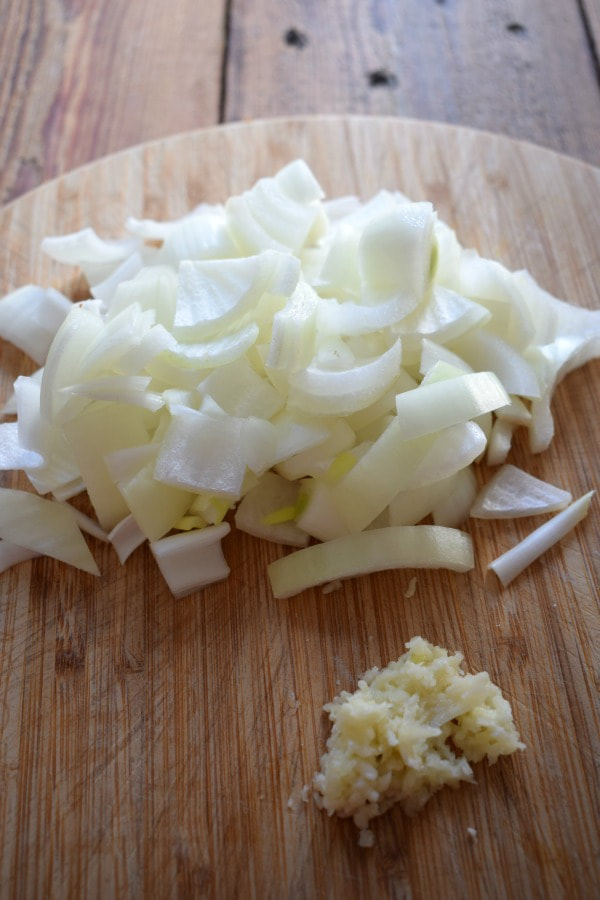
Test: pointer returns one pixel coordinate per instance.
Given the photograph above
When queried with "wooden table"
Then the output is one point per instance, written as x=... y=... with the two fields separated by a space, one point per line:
x=80 y=79
x=111 y=752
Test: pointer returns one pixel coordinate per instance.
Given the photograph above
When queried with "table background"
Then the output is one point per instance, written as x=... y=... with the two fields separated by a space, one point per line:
x=80 y=79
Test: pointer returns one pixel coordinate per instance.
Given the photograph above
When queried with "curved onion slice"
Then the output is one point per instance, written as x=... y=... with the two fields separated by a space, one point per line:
x=96 y=257
x=212 y=294
x=515 y=560
x=330 y=392
x=402 y=547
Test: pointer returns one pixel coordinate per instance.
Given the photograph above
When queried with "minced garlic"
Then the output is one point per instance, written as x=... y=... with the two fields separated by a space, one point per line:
x=395 y=740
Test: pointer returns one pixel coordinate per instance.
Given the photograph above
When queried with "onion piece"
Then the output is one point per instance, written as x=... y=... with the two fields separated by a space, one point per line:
x=11 y=555
x=401 y=547
x=271 y=493
x=100 y=430
x=200 y=452
x=485 y=351
x=30 y=318
x=213 y=294
x=129 y=389
x=192 y=560
x=96 y=257
x=12 y=454
x=328 y=392
x=88 y=525
x=128 y=269
x=454 y=506
x=437 y=405
x=393 y=464
x=48 y=527
x=499 y=442
x=515 y=560
x=395 y=252
x=513 y=493
x=126 y=537
x=156 y=506
x=293 y=333
x=218 y=351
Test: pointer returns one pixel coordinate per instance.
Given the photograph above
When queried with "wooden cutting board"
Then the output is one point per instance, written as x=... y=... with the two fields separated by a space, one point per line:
x=158 y=748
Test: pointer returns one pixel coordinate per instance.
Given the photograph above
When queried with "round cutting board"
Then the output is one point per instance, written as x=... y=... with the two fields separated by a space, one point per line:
x=153 y=747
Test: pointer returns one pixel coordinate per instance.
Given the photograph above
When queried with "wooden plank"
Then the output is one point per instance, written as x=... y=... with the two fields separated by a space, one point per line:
x=80 y=80
x=150 y=747
x=590 y=11
x=514 y=67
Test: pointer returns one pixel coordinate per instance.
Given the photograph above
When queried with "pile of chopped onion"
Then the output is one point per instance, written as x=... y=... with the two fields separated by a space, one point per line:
x=328 y=370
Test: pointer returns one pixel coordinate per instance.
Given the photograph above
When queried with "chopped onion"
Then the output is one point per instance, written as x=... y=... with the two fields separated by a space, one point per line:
x=513 y=493
x=11 y=555
x=30 y=318
x=126 y=537
x=45 y=526
x=515 y=560
x=329 y=370
x=422 y=546
x=191 y=561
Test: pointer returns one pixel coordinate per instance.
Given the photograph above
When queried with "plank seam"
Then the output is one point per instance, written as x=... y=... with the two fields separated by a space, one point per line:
x=591 y=40
x=225 y=60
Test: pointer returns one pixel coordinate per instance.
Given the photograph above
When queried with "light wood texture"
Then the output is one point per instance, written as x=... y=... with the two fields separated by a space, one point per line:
x=82 y=79
x=149 y=747
x=524 y=68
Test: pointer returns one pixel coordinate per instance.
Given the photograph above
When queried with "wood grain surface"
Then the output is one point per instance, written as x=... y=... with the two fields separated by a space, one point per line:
x=158 y=748
x=82 y=78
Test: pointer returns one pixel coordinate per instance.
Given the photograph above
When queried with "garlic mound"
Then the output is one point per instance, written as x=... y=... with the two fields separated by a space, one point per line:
x=407 y=731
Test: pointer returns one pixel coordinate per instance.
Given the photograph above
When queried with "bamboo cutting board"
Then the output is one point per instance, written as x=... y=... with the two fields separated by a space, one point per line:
x=158 y=748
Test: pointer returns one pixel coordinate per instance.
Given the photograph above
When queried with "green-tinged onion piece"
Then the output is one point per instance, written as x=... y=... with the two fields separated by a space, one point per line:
x=401 y=547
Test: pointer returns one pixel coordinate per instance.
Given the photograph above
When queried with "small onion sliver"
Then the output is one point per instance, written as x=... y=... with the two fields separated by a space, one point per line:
x=515 y=560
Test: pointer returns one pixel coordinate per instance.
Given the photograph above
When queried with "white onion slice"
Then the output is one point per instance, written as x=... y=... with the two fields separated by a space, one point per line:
x=129 y=268
x=327 y=392
x=30 y=318
x=513 y=493
x=88 y=525
x=12 y=454
x=192 y=560
x=515 y=560
x=485 y=351
x=395 y=254
x=45 y=526
x=126 y=537
x=200 y=452
x=11 y=555
x=437 y=405
x=402 y=547
x=213 y=294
